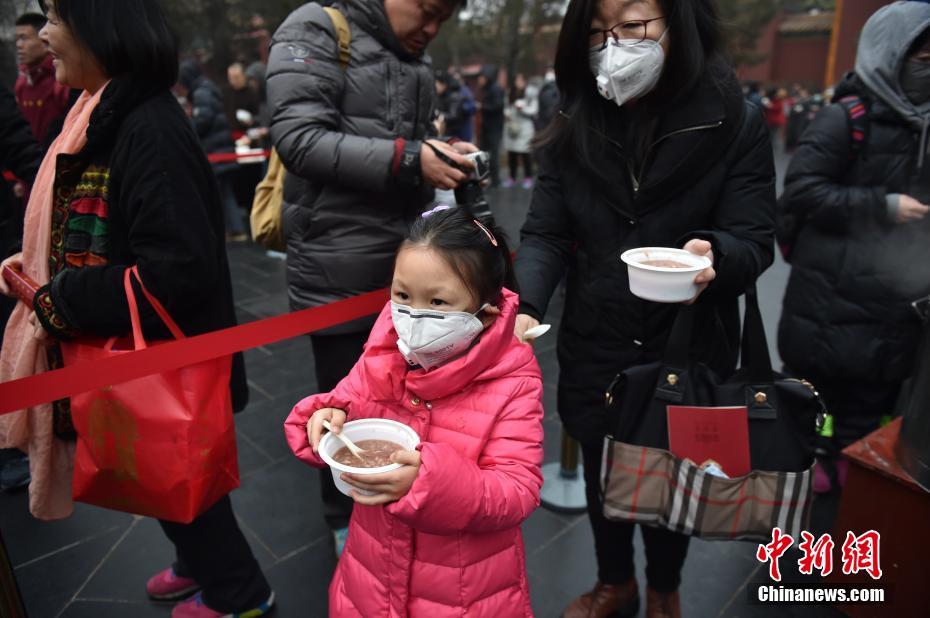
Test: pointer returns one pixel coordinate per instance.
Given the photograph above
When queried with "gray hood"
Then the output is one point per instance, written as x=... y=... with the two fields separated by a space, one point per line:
x=883 y=46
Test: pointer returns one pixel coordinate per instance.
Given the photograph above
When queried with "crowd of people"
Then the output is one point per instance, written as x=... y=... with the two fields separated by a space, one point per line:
x=640 y=135
x=508 y=118
x=788 y=112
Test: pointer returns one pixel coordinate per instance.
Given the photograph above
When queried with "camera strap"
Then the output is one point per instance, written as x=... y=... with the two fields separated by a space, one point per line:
x=445 y=158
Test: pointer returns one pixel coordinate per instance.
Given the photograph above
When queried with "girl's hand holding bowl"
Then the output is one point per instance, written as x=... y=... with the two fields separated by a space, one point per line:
x=383 y=478
x=336 y=418
x=387 y=487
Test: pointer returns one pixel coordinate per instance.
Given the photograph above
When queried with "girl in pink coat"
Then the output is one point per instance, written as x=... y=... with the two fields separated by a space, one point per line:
x=441 y=536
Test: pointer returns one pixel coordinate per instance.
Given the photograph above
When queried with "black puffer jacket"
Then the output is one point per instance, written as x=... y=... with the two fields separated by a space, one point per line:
x=339 y=132
x=710 y=175
x=451 y=104
x=209 y=114
x=847 y=312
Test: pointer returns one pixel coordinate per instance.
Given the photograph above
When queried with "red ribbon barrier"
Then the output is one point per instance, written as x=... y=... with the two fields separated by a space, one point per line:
x=52 y=385
x=220 y=157
x=230 y=157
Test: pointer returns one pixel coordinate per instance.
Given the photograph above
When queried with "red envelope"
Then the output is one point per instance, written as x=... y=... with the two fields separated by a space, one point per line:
x=721 y=434
x=21 y=284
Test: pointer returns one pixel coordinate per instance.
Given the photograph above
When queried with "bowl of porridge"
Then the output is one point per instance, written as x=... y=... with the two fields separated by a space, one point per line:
x=663 y=274
x=378 y=437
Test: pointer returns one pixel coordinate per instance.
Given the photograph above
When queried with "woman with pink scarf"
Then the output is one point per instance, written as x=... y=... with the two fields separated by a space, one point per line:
x=125 y=184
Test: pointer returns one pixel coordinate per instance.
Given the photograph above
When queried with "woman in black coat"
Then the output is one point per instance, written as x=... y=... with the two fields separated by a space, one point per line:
x=860 y=188
x=667 y=154
x=134 y=189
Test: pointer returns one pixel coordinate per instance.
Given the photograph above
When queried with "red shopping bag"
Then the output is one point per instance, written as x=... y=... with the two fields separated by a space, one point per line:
x=163 y=445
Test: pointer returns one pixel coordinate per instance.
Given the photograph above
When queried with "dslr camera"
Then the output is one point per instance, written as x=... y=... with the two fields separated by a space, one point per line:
x=470 y=193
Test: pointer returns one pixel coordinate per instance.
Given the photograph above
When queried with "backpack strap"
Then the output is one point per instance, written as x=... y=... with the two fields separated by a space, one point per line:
x=857 y=118
x=343 y=34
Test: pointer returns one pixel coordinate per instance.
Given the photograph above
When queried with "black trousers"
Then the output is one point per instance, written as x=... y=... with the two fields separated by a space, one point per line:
x=213 y=551
x=613 y=541
x=11 y=602
x=514 y=159
x=334 y=356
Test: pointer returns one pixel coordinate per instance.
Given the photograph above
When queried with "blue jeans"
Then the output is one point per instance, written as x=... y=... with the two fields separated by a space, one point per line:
x=232 y=214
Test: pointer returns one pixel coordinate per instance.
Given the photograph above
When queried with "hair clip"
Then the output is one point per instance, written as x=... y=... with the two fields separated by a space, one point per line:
x=437 y=208
x=486 y=231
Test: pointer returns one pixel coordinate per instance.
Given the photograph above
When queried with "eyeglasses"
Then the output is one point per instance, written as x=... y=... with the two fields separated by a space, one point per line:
x=624 y=33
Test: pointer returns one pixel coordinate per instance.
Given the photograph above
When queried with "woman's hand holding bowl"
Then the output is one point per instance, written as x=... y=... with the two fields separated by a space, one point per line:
x=703 y=278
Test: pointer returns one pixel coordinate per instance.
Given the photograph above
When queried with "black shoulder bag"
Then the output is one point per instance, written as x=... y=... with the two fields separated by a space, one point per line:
x=643 y=482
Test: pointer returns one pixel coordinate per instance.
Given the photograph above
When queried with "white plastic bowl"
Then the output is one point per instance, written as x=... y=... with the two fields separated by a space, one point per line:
x=365 y=429
x=662 y=284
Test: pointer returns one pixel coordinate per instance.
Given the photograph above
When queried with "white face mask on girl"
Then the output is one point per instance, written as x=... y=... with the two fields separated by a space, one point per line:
x=625 y=72
x=430 y=338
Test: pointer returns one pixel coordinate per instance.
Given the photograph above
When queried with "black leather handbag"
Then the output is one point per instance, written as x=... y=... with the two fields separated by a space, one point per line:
x=785 y=414
x=643 y=482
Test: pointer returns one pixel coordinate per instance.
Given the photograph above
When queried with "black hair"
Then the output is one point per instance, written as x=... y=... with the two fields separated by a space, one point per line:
x=580 y=128
x=454 y=234
x=127 y=37
x=36 y=20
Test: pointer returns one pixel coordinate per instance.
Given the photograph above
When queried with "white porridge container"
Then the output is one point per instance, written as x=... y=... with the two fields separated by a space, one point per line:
x=365 y=429
x=663 y=284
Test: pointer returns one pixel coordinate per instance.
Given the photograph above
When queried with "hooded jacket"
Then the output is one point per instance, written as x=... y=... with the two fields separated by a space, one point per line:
x=340 y=133
x=847 y=313
x=708 y=174
x=452 y=546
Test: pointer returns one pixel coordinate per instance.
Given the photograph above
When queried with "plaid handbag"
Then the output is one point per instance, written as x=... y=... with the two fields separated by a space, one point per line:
x=643 y=482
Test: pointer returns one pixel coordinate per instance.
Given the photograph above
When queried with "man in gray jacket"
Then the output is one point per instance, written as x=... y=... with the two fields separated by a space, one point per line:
x=353 y=136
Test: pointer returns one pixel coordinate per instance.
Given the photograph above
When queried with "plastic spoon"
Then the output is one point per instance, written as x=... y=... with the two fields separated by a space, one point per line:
x=352 y=446
x=536 y=331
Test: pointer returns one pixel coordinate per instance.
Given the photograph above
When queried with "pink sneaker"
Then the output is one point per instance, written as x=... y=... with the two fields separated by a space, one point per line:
x=194 y=608
x=168 y=586
x=527 y=183
x=822 y=482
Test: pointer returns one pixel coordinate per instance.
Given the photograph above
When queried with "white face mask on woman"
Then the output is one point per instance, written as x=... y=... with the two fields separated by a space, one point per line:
x=625 y=72
x=430 y=338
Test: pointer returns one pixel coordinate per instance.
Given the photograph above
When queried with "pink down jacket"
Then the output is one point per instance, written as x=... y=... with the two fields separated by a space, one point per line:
x=452 y=546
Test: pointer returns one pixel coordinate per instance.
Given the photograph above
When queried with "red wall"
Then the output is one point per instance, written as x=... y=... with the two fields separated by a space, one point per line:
x=853 y=15
x=801 y=59
x=762 y=72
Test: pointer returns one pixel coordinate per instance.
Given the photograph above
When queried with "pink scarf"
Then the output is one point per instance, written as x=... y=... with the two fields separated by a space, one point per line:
x=50 y=459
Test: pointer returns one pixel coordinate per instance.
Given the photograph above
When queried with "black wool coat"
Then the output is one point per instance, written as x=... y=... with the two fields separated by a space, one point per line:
x=847 y=309
x=145 y=175
x=709 y=174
